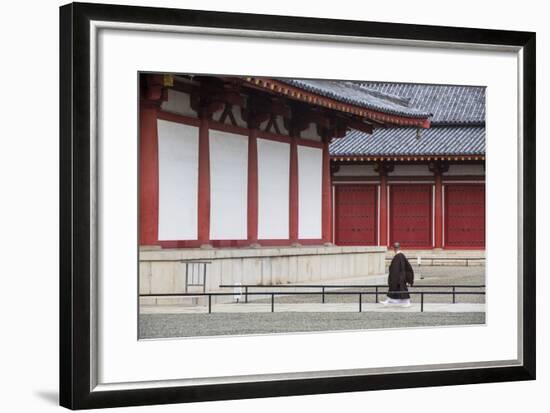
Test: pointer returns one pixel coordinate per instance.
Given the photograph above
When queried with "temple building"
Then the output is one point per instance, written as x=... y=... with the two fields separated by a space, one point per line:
x=229 y=162
x=285 y=180
x=422 y=188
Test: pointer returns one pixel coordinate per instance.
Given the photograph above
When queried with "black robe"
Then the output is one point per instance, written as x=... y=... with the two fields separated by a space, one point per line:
x=400 y=274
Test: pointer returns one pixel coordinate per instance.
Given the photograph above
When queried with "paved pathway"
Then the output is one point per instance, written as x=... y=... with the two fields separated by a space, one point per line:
x=315 y=308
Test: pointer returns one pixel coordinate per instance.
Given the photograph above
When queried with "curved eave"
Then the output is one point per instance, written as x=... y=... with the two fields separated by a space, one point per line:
x=315 y=99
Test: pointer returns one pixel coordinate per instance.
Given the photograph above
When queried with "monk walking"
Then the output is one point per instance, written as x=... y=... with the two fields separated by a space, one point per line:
x=400 y=275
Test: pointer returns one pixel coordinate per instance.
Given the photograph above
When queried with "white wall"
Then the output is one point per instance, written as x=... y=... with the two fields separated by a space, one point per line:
x=465 y=170
x=356 y=170
x=228 y=185
x=178 y=102
x=178 y=180
x=311 y=133
x=273 y=189
x=310 y=180
x=411 y=170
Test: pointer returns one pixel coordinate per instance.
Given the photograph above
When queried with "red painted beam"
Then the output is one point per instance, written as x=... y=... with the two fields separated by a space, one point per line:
x=438 y=211
x=326 y=195
x=293 y=196
x=149 y=174
x=252 y=211
x=204 y=184
x=383 y=213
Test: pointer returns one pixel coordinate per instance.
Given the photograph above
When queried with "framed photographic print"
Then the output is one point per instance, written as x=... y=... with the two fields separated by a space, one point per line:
x=257 y=206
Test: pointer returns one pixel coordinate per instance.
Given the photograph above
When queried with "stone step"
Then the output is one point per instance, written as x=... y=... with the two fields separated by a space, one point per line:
x=459 y=258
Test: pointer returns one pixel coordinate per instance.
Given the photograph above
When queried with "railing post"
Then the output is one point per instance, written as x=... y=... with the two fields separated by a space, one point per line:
x=246 y=294
x=323 y=292
x=186 y=275
x=421 y=302
x=360 y=302
x=376 y=295
x=454 y=289
x=272 y=303
x=203 y=277
x=209 y=303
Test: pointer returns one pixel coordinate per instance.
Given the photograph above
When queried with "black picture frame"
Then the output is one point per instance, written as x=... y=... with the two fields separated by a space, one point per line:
x=75 y=219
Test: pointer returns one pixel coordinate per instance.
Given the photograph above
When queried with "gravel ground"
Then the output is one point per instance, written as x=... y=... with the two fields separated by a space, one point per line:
x=192 y=325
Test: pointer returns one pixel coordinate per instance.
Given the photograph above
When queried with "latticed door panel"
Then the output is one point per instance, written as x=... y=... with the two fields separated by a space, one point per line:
x=356 y=215
x=465 y=216
x=411 y=215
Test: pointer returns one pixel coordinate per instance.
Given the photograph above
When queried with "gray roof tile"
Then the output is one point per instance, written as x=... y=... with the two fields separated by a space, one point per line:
x=355 y=94
x=437 y=140
x=449 y=104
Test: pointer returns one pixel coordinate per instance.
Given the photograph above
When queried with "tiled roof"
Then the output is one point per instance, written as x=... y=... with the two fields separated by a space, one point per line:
x=448 y=104
x=355 y=94
x=437 y=140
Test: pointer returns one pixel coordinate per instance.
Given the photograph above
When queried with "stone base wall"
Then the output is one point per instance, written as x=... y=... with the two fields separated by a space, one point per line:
x=160 y=271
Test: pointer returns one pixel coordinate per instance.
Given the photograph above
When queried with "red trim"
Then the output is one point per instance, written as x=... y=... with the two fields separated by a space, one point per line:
x=463 y=178
x=356 y=178
x=364 y=158
x=274 y=137
x=148 y=175
x=438 y=211
x=423 y=179
x=326 y=196
x=237 y=243
x=383 y=212
x=204 y=184
x=464 y=248
x=224 y=127
x=370 y=179
x=293 y=195
x=252 y=205
x=310 y=143
x=315 y=99
x=173 y=117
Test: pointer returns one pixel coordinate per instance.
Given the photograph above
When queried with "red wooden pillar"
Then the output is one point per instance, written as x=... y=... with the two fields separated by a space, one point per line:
x=204 y=183
x=149 y=174
x=438 y=168
x=252 y=216
x=438 y=210
x=327 y=195
x=383 y=213
x=383 y=169
x=293 y=195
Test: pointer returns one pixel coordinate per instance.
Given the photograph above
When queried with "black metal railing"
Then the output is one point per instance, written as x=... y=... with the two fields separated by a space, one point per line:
x=272 y=294
x=324 y=287
x=195 y=273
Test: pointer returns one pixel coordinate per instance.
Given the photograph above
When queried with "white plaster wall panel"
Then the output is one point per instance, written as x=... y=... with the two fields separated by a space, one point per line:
x=178 y=180
x=238 y=116
x=178 y=102
x=310 y=168
x=464 y=170
x=411 y=170
x=273 y=189
x=311 y=133
x=356 y=170
x=228 y=185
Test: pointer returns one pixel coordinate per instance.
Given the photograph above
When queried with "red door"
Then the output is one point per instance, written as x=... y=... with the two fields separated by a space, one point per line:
x=411 y=215
x=465 y=216
x=356 y=215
